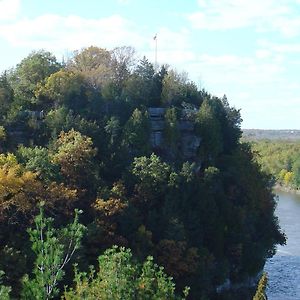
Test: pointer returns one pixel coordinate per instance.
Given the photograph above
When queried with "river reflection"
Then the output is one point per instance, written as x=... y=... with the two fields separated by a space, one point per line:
x=284 y=267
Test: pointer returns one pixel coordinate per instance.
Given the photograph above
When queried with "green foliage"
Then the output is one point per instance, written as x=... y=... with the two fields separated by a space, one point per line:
x=144 y=87
x=171 y=131
x=38 y=160
x=209 y=129
x=4 y=290
x=6 y=96
x=281 y=159
x=261 y=288
x=63 y=119
x=296 y=172
x=95 y=64
x=152 y=173
x=120 y=277
x=74 y=156
x=53 y=249
x=2 y=134
x=21 y=190
x=8 y=160
x=112 y=128
x=123 y=58
x=87 y=143
x=63 y=88
x=13 y=263
x=136 y=133
x=56 y=120
x=174 y=87
x=31 y=71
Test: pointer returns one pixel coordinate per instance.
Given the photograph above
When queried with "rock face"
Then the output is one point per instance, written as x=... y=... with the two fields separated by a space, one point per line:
x=189 y=142
x=157 y=122
x=17 y=133
x=248 y=283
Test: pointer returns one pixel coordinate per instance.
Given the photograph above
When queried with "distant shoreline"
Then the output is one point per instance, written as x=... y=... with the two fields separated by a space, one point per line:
x=286 y=189
x=270 y=134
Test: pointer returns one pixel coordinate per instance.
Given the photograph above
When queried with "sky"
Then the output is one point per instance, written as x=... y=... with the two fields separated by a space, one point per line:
x=247 y=50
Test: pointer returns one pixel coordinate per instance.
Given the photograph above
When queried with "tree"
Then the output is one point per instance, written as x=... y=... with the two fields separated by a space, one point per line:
x=38 y=160
x=2 y=134
x=53 y=249
x=288 y=177
x=177 y=258
x=122 y=61
x=230 y=119
x=6 y=96
x=158 y=86
x=140 y=85
x=10 y=257
x=121 y=278
x=112 y=128
x=32 y=70
x=74 y=155
x=205 y=219
x=171 y=131
x=2 y=137
x=64 y=119
x=137 y=132
x=95 y=64
x=63 y=88
x=151 y=172
x=152 y=176
x=296 y=173
x=209 y=129
x=21 y=190
x=4 y=290
x=174 y=88
x=106 y=228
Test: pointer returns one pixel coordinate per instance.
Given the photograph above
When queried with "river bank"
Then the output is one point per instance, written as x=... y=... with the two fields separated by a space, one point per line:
x=286 y=189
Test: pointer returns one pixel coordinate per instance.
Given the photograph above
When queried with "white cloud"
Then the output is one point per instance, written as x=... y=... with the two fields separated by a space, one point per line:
x=228 y=61
x=248 y=81
x=289 y=26
x=287 y=48
x=242 y=71
x=280 y=49
x=263 y=53
x=123 y=2
x=278 y=15
x=168 y=39
x=62 y=34
x=172 y=47
x=57 y=33
x=9 y=9
x=176 y=57
x=252 y=81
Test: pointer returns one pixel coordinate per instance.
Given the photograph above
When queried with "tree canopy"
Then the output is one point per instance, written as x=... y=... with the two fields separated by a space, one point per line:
x=156 y=165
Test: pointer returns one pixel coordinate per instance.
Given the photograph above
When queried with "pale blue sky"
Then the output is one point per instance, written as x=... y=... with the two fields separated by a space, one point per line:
x=248 y=50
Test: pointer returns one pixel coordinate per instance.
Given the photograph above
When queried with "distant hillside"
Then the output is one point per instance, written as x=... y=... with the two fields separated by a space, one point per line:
x=261 y=134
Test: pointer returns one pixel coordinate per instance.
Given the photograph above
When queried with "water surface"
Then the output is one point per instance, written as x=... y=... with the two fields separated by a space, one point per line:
x=284 y=267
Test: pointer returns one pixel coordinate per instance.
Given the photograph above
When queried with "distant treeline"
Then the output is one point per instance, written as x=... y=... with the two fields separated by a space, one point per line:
x=264 y=134
x=281 y=159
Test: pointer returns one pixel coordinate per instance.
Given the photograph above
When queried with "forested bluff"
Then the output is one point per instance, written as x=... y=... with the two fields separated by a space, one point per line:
x=116 y=151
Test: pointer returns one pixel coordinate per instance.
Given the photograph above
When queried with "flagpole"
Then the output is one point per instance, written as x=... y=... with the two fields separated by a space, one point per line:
x=155 y=64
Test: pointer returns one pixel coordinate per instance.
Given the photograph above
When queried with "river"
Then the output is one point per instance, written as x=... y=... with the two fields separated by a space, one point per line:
x=284 y=267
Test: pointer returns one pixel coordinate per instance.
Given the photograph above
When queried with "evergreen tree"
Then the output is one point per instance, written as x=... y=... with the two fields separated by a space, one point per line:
x=53 y=249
